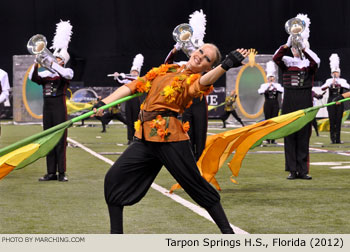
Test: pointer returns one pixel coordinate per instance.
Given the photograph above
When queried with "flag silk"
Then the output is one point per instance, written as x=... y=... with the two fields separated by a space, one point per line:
x=210 y=107
x=73 y=107
x=26 y=151
x=30 y=149
x=323 y=124
x=219 y=147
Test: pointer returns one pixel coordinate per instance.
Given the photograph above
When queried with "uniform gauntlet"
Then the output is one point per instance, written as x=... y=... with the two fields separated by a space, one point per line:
x=233 y=59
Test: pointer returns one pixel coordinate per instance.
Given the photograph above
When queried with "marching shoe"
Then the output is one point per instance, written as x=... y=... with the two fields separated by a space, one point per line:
x=305 y=176
x=48 y=177
x=292 y=176
x=62 y=177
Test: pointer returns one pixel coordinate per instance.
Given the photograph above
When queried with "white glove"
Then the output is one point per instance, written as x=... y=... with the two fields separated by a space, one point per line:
x=302 y=45
x=115 y=75
x=38 y=58
x=289 y=41
x=188 y=47
x=120 y=77
x=178 y=46
x=47 y=60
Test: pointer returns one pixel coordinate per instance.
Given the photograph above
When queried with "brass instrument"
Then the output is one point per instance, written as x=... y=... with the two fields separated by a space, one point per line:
x=37 y=46
x=295 y=27
x=183 y=34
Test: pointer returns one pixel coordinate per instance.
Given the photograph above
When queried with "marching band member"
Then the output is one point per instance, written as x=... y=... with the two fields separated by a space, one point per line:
x=55 y=82
x=271 y=90
x=132 y=107
x=161 y=139
x=336 y=86
x=4 y=89
x=298 y=77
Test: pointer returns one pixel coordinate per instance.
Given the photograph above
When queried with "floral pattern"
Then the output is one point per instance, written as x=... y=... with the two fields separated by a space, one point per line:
x=176 y=87
x=159 y=125
x=186 y=126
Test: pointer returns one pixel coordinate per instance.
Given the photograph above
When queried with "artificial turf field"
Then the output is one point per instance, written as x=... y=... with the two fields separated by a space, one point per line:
x=264 y=201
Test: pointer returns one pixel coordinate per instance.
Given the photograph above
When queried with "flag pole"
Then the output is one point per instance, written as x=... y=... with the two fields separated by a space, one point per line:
x=333 y=103
x=88 y=114
x=65 y=124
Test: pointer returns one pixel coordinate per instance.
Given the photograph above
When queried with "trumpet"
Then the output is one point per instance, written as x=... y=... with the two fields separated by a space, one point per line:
x=122 y=77
x=183 y=34
x=295 y=27
x=37 y=46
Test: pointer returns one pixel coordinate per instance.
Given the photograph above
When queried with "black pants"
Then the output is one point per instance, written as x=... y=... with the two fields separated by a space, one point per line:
x=314 y=124
x=335 y=114
x=132 y=109
x=108 y=116
x=296 y=145
x=130 y=177
x=197 y=116
x=271 y=108
x=296 y=148
x=234 y=114
x=54 y=113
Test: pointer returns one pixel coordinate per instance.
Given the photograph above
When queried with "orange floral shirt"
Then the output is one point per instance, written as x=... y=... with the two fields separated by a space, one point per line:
x=173 y=90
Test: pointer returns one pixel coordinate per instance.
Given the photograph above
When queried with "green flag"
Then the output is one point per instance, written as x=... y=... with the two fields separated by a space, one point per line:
x=28 y=150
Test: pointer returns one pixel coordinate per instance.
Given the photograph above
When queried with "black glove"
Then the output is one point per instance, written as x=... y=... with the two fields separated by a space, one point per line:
x=338 y=98
x=98 y=105
x=319 y=97
x=233 y=59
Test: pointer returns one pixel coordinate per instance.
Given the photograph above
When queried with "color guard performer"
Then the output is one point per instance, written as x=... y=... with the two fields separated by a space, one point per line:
x=161 y=139
x=230 y=109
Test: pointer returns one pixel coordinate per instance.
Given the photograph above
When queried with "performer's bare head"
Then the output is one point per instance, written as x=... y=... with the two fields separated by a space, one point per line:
x=204 y=58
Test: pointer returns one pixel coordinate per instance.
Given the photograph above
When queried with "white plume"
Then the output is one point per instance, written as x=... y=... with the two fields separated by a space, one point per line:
x=62 y=36
x=198 y=22
x=306 y=33
x=334 y=61
x=137 y=62
x=270 y=68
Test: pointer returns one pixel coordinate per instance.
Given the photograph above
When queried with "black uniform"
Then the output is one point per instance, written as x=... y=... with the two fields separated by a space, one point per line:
x=335 y=87
x=298 y=77
x=4 y=90
x=271 y=105
x=54 y=113
x=132 y=109
x=197 y=116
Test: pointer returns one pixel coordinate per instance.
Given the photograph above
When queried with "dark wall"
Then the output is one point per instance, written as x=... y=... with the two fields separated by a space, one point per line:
x=107 y=34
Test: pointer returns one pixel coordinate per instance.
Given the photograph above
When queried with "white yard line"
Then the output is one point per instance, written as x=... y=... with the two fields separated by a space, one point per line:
x=197 y=209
